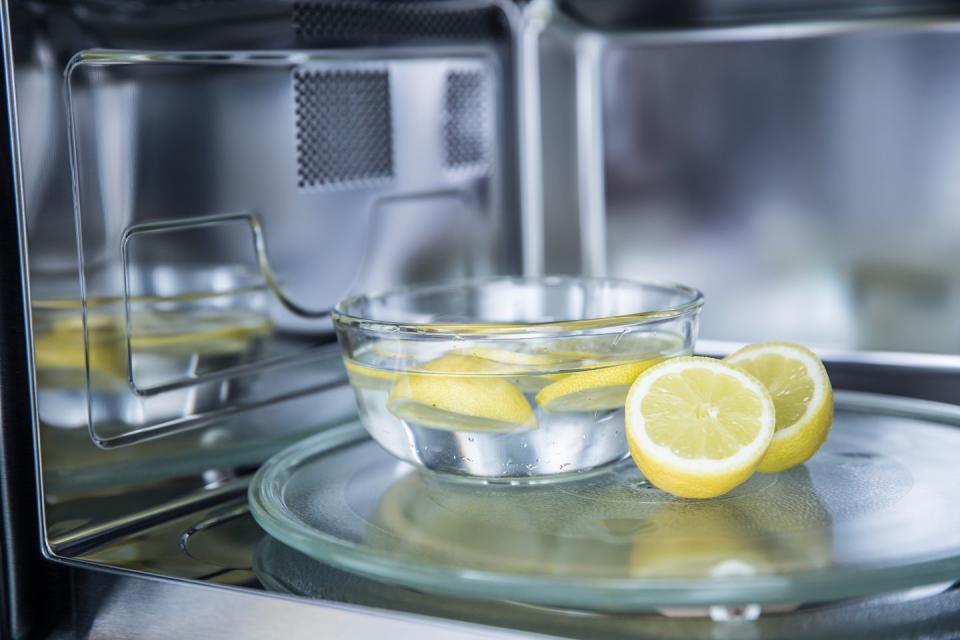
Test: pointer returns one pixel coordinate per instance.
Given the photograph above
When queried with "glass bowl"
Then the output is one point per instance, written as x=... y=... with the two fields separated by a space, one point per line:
x=509 y=378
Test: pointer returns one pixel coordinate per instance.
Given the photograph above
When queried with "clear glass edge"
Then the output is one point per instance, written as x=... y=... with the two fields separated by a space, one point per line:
x=393 y=328
x=604 y=594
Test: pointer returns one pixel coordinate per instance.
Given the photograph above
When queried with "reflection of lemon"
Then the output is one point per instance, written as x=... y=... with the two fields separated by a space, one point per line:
x=779 y=527
x=697 y=540
x=60 y=360
x=697 y=427
x=506 y=529
x=596 y=389
x=798 y=383
x=479 y=530
x=444 y=395
x=59 y=345
x=795 y=521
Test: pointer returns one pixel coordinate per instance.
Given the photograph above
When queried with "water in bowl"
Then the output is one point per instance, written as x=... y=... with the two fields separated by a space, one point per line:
x=498 y=409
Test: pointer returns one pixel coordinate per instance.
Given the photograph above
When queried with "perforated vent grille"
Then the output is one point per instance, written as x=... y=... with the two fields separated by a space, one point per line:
x=344 y=134
x=466 y=128
x=359 y=21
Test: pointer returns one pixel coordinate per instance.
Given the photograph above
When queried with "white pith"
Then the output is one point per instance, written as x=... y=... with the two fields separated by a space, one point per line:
x=636 y=423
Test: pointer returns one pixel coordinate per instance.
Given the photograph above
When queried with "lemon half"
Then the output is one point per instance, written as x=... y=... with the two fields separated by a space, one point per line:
x=698 y=427
x=460 y=393
x=802 y=395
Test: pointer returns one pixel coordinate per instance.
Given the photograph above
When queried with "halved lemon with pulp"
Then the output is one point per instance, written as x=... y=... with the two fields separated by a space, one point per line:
x=697 y=427
x=460 y=393
x=802 y=395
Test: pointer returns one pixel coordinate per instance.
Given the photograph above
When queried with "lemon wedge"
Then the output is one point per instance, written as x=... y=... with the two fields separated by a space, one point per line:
x=459 y=392
x=596 y=389
x=698 y=427
x=802 y=395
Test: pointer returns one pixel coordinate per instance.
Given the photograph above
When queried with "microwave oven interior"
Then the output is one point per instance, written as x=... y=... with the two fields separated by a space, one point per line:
x=198 y=183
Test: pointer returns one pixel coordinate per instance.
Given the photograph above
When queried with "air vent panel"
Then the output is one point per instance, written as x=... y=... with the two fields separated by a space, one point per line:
x=343 y=127
x=466 y=129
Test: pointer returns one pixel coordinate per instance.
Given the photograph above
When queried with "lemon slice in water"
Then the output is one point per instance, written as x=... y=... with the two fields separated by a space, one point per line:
x=522 y=368
x=460 y=393
x=698 y=427
x=616 y=347
x=600 y=388
x=367 y=377
x=802 y=395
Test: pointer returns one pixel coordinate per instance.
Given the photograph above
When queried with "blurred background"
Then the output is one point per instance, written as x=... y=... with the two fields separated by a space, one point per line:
x=803 y=177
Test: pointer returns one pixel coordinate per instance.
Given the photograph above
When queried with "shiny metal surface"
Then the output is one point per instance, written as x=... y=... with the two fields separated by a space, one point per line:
x=172 y=144
x=117 y=607
x=25 y=577
x=124 y=607
x=800 y=170
x=240 y=556
x=619 y=16
x=781 y=166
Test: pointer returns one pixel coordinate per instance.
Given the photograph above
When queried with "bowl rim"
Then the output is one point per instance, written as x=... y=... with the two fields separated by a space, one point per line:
x=342 y=318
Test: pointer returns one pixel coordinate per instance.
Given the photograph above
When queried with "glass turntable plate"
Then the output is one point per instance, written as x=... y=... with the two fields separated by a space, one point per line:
x=874 y=512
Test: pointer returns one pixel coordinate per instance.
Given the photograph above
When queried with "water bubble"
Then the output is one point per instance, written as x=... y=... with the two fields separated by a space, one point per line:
x=523 y=445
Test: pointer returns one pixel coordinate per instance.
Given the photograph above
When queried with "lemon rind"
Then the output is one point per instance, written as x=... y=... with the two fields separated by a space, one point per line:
x=813 y=366
x=749 y=455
